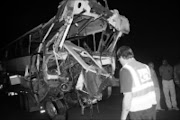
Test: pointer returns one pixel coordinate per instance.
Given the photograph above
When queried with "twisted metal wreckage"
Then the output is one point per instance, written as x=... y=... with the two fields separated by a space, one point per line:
x=66 y=66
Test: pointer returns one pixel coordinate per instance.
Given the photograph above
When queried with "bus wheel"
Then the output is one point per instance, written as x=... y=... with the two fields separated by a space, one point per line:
x=55 y=110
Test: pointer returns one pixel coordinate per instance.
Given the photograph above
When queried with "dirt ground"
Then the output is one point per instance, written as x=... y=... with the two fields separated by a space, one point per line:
x=108 y=110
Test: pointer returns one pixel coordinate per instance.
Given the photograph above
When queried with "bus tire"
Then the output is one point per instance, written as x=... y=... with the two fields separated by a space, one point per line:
x=55 y=110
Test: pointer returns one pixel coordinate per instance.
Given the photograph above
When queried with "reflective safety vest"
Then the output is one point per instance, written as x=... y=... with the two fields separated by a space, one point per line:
x=142 y=88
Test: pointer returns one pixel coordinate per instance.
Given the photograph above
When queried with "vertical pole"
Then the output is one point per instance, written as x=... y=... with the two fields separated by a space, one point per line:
x=29 y=46
x=94 y=42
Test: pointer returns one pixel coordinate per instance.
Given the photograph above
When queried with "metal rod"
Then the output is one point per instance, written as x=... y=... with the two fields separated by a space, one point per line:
x=94 y=42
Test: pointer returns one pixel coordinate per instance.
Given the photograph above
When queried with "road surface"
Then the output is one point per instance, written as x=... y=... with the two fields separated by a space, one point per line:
x=108 y=110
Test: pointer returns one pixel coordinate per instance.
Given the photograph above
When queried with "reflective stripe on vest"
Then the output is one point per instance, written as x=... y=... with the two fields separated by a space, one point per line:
x=143 y=93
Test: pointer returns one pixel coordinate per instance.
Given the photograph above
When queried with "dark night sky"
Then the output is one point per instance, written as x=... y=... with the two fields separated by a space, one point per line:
x=154 y=25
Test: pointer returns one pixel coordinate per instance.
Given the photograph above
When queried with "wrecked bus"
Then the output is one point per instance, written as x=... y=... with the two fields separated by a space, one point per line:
x=68 y=60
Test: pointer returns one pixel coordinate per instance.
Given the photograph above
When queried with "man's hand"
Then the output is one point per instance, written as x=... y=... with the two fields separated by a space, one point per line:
x=126 y=104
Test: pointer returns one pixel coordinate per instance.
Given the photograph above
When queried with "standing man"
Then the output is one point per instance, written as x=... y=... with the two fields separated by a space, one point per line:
x=156 y=85
x=166 y=72
x=177 y=74
x=137 y=87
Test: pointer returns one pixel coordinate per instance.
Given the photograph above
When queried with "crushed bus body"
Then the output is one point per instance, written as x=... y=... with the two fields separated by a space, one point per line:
x=71 y=58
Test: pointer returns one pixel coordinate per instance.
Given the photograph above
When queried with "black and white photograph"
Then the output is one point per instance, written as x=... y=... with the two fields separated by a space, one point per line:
x=90 y=60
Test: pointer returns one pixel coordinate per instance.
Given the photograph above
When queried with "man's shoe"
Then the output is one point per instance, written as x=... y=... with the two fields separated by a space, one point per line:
x=169 y=109
x=160 y=109
x=175 y=108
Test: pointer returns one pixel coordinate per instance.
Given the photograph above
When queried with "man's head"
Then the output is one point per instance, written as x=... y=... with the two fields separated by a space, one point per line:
x=151 y=65
x=124 y=53
x=1 y=68
x=164 y=62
